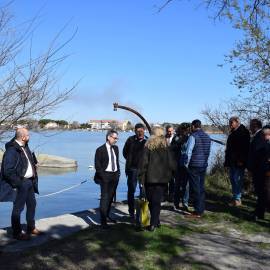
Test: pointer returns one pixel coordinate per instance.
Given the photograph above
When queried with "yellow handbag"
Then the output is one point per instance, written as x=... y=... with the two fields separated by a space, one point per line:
x=142 y=213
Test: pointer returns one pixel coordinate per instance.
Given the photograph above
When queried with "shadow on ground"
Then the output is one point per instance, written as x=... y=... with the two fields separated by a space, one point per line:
x=219 y=203
x=123 y=246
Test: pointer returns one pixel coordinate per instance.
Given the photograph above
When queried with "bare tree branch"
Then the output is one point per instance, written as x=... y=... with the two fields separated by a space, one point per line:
x=29 y=89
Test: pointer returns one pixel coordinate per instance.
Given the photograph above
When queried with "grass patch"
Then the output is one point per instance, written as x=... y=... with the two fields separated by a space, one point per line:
x=121 y=247
x=264 y=245
x=218 y=196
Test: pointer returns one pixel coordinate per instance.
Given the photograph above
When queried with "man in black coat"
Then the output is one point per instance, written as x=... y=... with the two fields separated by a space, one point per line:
x=265 y=169
x=178 y=147
x=132 y=152
x=255 y=162
x=172 y=143
x=236 y=156
x=19 y=170
x=107 y=174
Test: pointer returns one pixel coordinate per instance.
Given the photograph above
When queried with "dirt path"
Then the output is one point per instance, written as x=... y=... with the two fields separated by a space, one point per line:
x=213 y=245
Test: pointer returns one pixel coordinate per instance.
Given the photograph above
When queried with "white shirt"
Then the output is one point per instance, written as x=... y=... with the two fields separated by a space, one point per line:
x=29 y=172
x=253 y=135
x=169 y=140
x=109 y=167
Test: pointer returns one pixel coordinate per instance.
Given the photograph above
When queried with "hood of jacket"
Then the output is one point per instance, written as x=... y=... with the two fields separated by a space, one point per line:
x=13 y=143
x=241 y=128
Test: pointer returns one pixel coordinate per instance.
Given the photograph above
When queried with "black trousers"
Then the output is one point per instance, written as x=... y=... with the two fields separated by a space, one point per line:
x=25 y=196
x=169 y=189
x=108 y=187
x=259 y=186
x=181 y=190
x=154 y=194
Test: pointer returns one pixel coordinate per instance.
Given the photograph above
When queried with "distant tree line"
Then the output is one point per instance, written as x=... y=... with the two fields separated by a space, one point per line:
x=43 y=122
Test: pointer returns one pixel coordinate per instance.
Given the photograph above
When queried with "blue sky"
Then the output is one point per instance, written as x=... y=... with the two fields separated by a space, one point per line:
x=163 y=64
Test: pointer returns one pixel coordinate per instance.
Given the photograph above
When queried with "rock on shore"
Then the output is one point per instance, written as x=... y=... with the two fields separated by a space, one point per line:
x=51 y=161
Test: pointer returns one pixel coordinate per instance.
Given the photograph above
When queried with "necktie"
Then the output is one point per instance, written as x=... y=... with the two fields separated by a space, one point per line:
x=112 y=159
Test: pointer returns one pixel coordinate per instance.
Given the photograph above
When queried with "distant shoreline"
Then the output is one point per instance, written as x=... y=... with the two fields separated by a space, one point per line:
x=97 y=130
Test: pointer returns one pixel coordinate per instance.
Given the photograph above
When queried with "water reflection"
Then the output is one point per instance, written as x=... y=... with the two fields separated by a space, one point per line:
x=45 y=171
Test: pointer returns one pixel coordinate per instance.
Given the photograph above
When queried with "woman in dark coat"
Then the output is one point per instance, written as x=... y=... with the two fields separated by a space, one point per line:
x=155 y=171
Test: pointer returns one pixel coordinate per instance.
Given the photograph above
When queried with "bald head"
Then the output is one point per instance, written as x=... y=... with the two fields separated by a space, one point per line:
x=22 y=135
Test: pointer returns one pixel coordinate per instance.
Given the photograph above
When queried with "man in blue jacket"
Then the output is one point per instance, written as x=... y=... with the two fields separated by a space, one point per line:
x=19 y=170
x=198 y=150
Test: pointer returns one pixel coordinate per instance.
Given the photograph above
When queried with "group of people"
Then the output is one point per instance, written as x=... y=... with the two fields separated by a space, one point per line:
x=164 y=166
x=169 y=165
x=249 y=149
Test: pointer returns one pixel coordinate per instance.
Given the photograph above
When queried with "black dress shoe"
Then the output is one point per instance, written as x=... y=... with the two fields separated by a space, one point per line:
x=256 y=217
x=22 y=237
x=151 y=228
x=104 y=226
x=170 y=198
x=111 y=220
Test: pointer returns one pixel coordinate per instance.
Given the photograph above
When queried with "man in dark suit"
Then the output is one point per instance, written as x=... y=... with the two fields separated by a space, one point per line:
x=107 y=174
x=170 y=138
x=19 y=170
x=255 y=160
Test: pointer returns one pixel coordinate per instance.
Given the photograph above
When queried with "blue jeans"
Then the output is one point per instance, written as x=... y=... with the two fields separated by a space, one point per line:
x=196 y=176
x=132 y=180
x=25 y=196
x=236 y=178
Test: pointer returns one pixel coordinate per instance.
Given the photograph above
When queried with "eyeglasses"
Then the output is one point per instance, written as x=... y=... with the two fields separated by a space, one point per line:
x=115 y=138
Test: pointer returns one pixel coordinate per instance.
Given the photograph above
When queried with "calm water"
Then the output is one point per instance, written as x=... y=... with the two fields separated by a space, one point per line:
x=81 y=146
